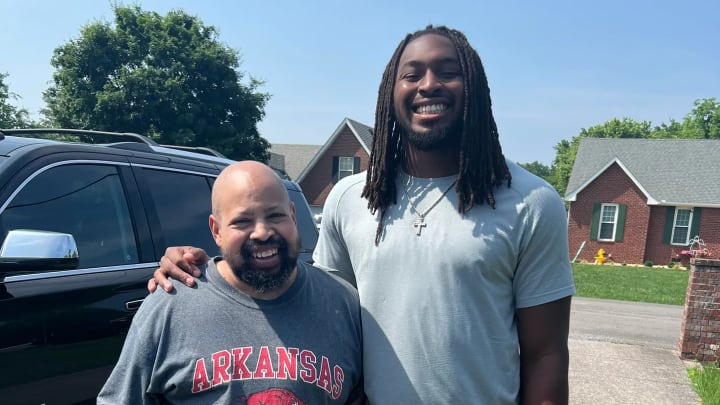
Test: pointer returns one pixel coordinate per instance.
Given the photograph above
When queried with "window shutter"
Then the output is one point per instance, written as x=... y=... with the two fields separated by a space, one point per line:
x=335 y=164
x=356 y=165
x=595 y=221
x=620 y=231
x=669 y=218
x=695 y=226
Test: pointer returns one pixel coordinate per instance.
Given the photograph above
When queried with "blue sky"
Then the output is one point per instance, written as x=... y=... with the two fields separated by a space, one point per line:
x=553 y=68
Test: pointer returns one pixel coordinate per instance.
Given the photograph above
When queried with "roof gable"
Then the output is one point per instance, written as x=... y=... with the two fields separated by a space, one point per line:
x=668 y=171
x=292 y=158
x=362 y=133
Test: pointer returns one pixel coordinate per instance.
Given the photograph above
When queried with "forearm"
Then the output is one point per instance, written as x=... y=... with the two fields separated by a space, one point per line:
x=544 y=380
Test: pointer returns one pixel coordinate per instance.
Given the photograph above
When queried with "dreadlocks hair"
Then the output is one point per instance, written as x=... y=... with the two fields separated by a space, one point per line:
x=482 y=164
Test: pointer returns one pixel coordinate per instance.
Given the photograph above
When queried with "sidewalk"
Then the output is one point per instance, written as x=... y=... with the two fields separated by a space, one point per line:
x=606 y=373
x=626 y=353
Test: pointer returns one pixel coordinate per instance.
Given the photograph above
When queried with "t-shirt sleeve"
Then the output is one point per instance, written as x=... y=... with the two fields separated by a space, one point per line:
x=331 y=253
x=543 y=272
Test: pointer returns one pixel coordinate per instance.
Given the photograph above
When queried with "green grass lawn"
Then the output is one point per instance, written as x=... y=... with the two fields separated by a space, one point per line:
x=630 y=283
x=646 y=284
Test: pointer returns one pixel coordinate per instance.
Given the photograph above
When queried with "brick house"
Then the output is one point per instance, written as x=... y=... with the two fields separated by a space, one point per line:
x=346 y=152
x=644 y=199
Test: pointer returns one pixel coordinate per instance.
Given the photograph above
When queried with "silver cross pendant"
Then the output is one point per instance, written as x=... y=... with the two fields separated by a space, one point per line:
x=419 y=224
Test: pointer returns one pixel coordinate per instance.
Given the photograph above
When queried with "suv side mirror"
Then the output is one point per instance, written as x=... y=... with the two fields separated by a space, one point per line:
x=30 y=250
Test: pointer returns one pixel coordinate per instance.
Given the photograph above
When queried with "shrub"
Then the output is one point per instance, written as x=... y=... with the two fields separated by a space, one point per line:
x=648 y=263
x=671 y=265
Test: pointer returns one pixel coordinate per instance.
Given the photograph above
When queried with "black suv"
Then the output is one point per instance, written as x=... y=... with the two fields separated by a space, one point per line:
x=82 y=228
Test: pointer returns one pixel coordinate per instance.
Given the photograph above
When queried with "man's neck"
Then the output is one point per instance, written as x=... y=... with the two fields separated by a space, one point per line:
x=431 y=164
x=229 y=276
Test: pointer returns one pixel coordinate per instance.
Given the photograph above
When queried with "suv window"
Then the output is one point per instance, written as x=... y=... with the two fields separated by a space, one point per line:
x=86 y=201
x=182 y=203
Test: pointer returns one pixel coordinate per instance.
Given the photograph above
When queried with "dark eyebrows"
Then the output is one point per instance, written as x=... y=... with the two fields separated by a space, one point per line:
x=444 y=61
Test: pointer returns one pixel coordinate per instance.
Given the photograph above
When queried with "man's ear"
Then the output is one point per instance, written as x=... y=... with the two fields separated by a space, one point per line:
x=292 y=212
x=215 y=229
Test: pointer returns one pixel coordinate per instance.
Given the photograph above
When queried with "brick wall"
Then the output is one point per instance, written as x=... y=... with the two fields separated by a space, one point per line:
x=700 y=330
x=317 y=183
x=612 y=186
x=656 y=250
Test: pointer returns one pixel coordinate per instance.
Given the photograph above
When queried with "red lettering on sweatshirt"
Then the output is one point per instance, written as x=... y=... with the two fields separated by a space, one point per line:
x=339 y=375
x=324 y=378
x=221 y=367
x=240 y=356
x=264 y=367
x=200 y=377
x=287 y=363
x=307 y=362
x=232 y=366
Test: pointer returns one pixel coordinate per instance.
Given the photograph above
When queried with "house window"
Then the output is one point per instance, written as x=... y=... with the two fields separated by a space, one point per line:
x=344 y=166
x=681 y=227
x=608 y=220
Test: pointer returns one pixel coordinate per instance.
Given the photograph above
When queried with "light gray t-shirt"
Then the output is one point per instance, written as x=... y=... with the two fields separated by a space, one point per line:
x=438 y=309
x=218 y=345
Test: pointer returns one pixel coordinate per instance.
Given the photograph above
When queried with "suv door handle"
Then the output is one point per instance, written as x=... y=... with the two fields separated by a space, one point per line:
x=133 y=305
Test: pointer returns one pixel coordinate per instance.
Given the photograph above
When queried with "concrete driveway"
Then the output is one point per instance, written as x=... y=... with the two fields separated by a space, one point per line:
x=627 y=353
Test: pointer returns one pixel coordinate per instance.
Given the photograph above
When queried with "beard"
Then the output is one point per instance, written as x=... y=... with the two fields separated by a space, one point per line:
x=434 y=139
x=263 y=280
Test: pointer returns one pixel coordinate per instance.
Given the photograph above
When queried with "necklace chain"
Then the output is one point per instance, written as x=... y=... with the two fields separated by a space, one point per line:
x=419 y=223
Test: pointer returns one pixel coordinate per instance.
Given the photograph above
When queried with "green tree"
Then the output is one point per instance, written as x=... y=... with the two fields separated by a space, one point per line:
x=11 y=116
x=703 y=122
x=704 y=119
x=539 y=170
x=168 y=77
x=562 y=165
x=674 y=129
x=618 y=128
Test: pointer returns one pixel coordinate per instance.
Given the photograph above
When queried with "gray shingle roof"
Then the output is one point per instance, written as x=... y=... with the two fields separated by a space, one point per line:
x=668 y=171
x=364 y=133
x=295 y=157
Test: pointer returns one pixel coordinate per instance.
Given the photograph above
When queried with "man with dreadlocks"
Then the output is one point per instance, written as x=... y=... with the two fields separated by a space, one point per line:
x=464 y=279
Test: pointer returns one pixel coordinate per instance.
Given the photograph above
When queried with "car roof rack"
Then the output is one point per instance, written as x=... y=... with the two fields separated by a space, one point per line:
x=197 y=149
x=113 y=139
x=83 y=134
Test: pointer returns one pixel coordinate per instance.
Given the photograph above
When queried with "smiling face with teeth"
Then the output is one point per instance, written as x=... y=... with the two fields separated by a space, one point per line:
x=428 y=95
x=253 y=224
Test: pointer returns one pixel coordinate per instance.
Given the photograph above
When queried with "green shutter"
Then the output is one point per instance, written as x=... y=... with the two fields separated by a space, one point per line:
x=695 y=226
x=620 y=231
x=595 y=221
x=335 y=166
x=669 y=218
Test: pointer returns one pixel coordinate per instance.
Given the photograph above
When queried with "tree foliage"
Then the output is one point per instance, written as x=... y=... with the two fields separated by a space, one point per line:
x=11 y=116
x=538 y=169
x=168 y=77
x=703 y=122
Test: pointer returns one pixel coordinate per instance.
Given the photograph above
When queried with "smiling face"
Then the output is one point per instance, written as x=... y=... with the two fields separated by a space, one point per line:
x=253 y=224
x=428 y=93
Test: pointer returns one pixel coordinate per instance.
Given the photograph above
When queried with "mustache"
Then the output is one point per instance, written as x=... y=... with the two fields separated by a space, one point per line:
x=250 y=245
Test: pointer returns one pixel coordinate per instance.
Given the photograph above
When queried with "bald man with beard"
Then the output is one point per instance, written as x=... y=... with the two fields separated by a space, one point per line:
x=260 y=325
